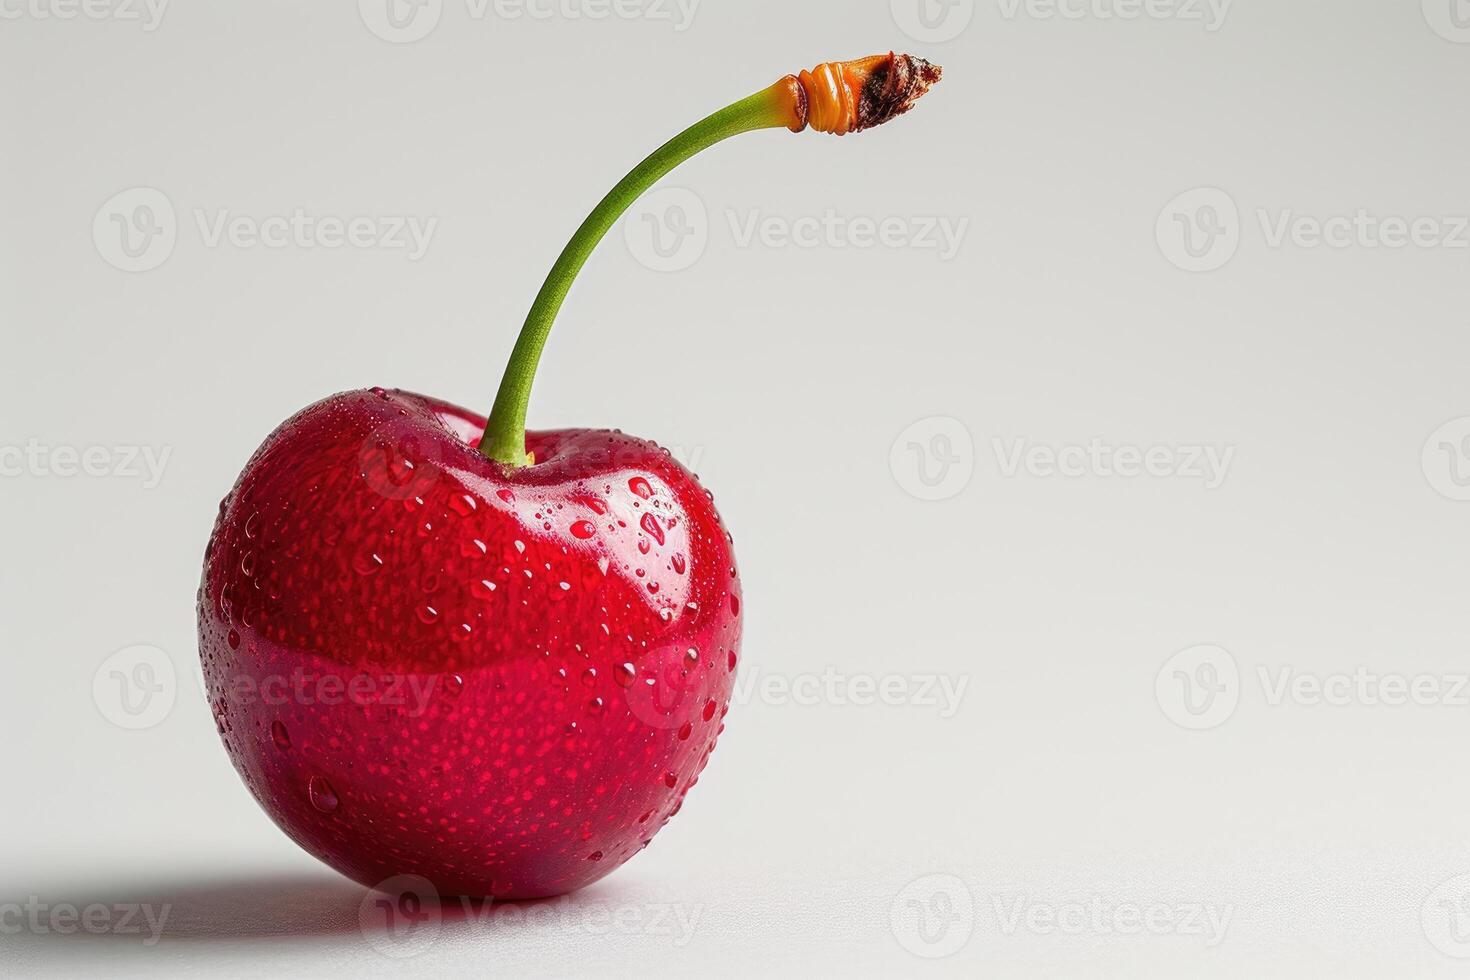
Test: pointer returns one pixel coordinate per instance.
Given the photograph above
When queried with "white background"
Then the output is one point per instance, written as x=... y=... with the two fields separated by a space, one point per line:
x=1074 y=148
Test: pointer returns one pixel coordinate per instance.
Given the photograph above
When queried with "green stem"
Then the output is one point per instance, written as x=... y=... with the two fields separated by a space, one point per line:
x=505 y=434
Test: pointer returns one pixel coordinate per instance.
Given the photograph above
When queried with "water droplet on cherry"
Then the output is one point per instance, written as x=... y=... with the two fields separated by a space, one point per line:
x=653 y=528
x=322 y=795
x=367 y=563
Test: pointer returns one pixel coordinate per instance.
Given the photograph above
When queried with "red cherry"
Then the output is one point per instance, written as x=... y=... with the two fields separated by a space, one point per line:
x=443 y=646
x=421 y=666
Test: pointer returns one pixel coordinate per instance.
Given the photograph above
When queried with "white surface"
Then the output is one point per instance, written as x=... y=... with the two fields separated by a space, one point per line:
x=787 y=374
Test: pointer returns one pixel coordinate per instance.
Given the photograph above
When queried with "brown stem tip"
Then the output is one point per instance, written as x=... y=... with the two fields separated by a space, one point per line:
x=842 y=97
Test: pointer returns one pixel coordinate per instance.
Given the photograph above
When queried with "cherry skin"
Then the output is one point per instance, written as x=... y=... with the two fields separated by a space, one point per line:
x=424 y=663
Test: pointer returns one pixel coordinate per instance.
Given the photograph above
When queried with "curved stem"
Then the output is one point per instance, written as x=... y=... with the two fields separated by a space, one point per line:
x=505 y=434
